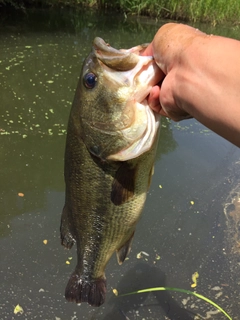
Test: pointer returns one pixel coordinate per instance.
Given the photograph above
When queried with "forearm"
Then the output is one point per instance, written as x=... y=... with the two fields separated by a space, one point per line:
x=210 y=89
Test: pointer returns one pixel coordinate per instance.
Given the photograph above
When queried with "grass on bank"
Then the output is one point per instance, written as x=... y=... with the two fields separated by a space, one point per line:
x=213 y=11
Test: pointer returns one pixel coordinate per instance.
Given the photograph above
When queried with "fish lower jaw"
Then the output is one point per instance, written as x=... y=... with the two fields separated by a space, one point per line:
x=144 y=142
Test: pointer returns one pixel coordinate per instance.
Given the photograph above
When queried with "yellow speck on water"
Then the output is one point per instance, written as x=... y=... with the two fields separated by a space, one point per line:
x=20 y=194
x=69 y=258
x=115 y=292
x=195 y=277
x=192 y=203
x=45 y=241
x=160 y=186
x=67 y=262
x=18 y=309
x=158 y=257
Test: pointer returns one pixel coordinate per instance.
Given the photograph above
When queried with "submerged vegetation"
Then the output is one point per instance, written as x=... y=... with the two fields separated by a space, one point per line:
x=213 y=11
x=195 y=294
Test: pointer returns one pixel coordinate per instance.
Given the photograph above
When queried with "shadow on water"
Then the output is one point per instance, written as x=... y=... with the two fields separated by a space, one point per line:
x=168 y=143
x=145 y=276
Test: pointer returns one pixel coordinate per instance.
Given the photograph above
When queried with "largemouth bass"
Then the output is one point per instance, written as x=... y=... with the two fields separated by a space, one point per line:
x=110 y=148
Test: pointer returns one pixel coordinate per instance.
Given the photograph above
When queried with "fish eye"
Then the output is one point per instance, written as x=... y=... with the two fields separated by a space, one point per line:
x=89 y=80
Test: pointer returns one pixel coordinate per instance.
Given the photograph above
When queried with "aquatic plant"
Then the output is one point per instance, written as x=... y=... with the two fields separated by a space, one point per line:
x=213 y=11
x=197 y=295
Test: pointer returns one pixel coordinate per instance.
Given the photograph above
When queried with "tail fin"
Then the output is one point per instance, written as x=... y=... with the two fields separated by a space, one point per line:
x=79 y=290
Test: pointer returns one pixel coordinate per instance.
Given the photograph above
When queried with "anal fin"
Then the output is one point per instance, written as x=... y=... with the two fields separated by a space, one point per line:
x=123 y=252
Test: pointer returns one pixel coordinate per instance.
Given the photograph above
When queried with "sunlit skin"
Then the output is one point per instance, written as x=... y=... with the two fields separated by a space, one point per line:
x=200 y=78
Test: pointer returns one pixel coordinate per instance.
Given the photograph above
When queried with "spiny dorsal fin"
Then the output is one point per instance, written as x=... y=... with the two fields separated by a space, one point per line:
x=123 y=184
x=123 y=252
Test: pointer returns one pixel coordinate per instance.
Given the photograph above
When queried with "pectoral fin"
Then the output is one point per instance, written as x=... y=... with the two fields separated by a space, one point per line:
x=123 y=184
x=123 y=252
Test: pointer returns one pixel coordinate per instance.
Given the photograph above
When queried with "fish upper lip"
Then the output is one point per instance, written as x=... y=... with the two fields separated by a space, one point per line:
x=121 y=60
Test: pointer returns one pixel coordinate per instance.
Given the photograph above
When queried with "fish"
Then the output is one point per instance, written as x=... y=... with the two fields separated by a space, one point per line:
x=111 y=142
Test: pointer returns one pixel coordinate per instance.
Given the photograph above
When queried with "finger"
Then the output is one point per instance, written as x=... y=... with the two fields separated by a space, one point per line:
x=163 y=113
x=153 y=99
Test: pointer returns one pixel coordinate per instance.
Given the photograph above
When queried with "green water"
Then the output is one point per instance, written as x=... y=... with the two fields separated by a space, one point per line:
x=41 y=54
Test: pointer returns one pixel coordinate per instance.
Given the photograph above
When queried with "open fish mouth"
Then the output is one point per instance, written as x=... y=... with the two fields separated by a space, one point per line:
x=132 y=76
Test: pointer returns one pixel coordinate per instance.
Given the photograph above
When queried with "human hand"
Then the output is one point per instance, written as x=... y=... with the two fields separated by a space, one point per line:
x=167 y=48
x=200 y=78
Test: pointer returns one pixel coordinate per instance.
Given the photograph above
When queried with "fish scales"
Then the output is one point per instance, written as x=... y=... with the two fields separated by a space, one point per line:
x=107 y=172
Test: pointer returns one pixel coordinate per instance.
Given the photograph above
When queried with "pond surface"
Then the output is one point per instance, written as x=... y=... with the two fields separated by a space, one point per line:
x=190 y=223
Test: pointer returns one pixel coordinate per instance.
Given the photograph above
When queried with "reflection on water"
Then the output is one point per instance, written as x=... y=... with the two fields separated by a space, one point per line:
x=232 y=212
x=183 y=222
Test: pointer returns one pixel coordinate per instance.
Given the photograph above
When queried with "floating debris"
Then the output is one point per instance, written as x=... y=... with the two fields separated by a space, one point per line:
x=195 y=277
x=139 y=255
x=115 y=292
x=18 y=309
x=20 y=194
x=45 y=241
